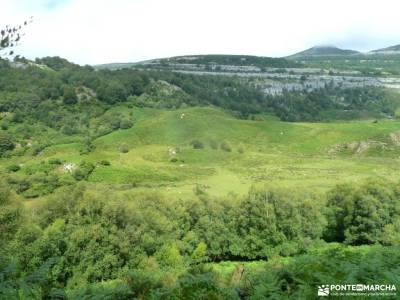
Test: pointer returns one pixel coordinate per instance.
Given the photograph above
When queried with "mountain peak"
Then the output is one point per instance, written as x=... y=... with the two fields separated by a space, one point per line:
x=325 y=50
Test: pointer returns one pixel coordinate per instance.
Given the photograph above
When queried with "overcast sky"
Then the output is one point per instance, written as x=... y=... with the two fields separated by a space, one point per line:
x=103 y=31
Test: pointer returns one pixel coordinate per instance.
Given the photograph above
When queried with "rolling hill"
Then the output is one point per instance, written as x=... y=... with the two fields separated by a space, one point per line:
x=317 y=51
x=388 y=50
x=206 y=61
x=161 y=154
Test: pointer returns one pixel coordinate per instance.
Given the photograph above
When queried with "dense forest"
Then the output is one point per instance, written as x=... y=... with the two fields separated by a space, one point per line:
x=159 y=248
x=33 y=91
x=332 y=103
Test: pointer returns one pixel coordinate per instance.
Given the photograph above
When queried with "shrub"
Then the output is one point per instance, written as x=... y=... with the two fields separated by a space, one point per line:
x=103 y=129
x=197 y=285
x=214 y=144
x=197 y=144
x=6 y=143
x=199 y=189
x=83 y=171
x=37 y=149
x=225 y=146
x=17 y=117
x=333 y=263
x=114 y=122
x=105 y=163
x=4 y=126
x=69 y=129
x=55 y=161
x=125 y=124
x=20 y=185
x=69 y=95
x=142 y=282
x=124 y=149
x=13 y=168
x=87 y=147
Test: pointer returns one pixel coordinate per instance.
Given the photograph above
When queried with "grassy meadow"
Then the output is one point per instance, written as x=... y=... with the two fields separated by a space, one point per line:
x=158 y=154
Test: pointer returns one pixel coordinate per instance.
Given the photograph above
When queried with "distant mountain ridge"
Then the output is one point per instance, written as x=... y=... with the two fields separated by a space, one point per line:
x=324 y=51
x=249 y=60
x=388 y=50
x=208 y=60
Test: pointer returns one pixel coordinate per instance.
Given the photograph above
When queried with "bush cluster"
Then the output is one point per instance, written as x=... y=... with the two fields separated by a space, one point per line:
x=157 y=245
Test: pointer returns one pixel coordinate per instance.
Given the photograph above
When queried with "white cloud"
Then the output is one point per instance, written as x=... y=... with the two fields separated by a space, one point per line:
x=100 y=31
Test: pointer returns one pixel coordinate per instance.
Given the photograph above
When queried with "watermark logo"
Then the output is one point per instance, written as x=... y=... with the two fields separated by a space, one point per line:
x=357 y=290
x=323 y=290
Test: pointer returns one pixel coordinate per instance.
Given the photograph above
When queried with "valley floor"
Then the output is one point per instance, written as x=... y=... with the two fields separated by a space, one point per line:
x=231 y=154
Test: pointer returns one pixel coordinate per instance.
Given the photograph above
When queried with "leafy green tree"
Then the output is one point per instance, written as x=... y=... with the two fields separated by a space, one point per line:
x=6 y=143
x=143 y=282
x=112 y=92
x=10 y=216
x=257 y=225
x=169 y=255
x=69 y=95
x=200 y=253
x=391 y=233
x=359 y=215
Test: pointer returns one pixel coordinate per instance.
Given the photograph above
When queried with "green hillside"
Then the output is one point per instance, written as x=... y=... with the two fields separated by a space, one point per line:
x=387 y=50
x=207 y=61
x=324 y=51
x=133 y=184
x=160 y=153
x=374 y=63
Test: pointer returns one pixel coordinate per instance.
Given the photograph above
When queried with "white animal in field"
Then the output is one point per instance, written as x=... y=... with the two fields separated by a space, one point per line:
x=172 y=151
x=183 y=115
x=69 y=167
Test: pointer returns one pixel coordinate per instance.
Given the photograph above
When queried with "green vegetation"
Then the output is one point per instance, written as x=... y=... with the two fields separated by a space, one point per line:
x=332 y=103
x=234 y=60
x=371 y=64
x=157 y=185
x=76 y=99
x=324 y=51
x=154 y=246
x=207 y=62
